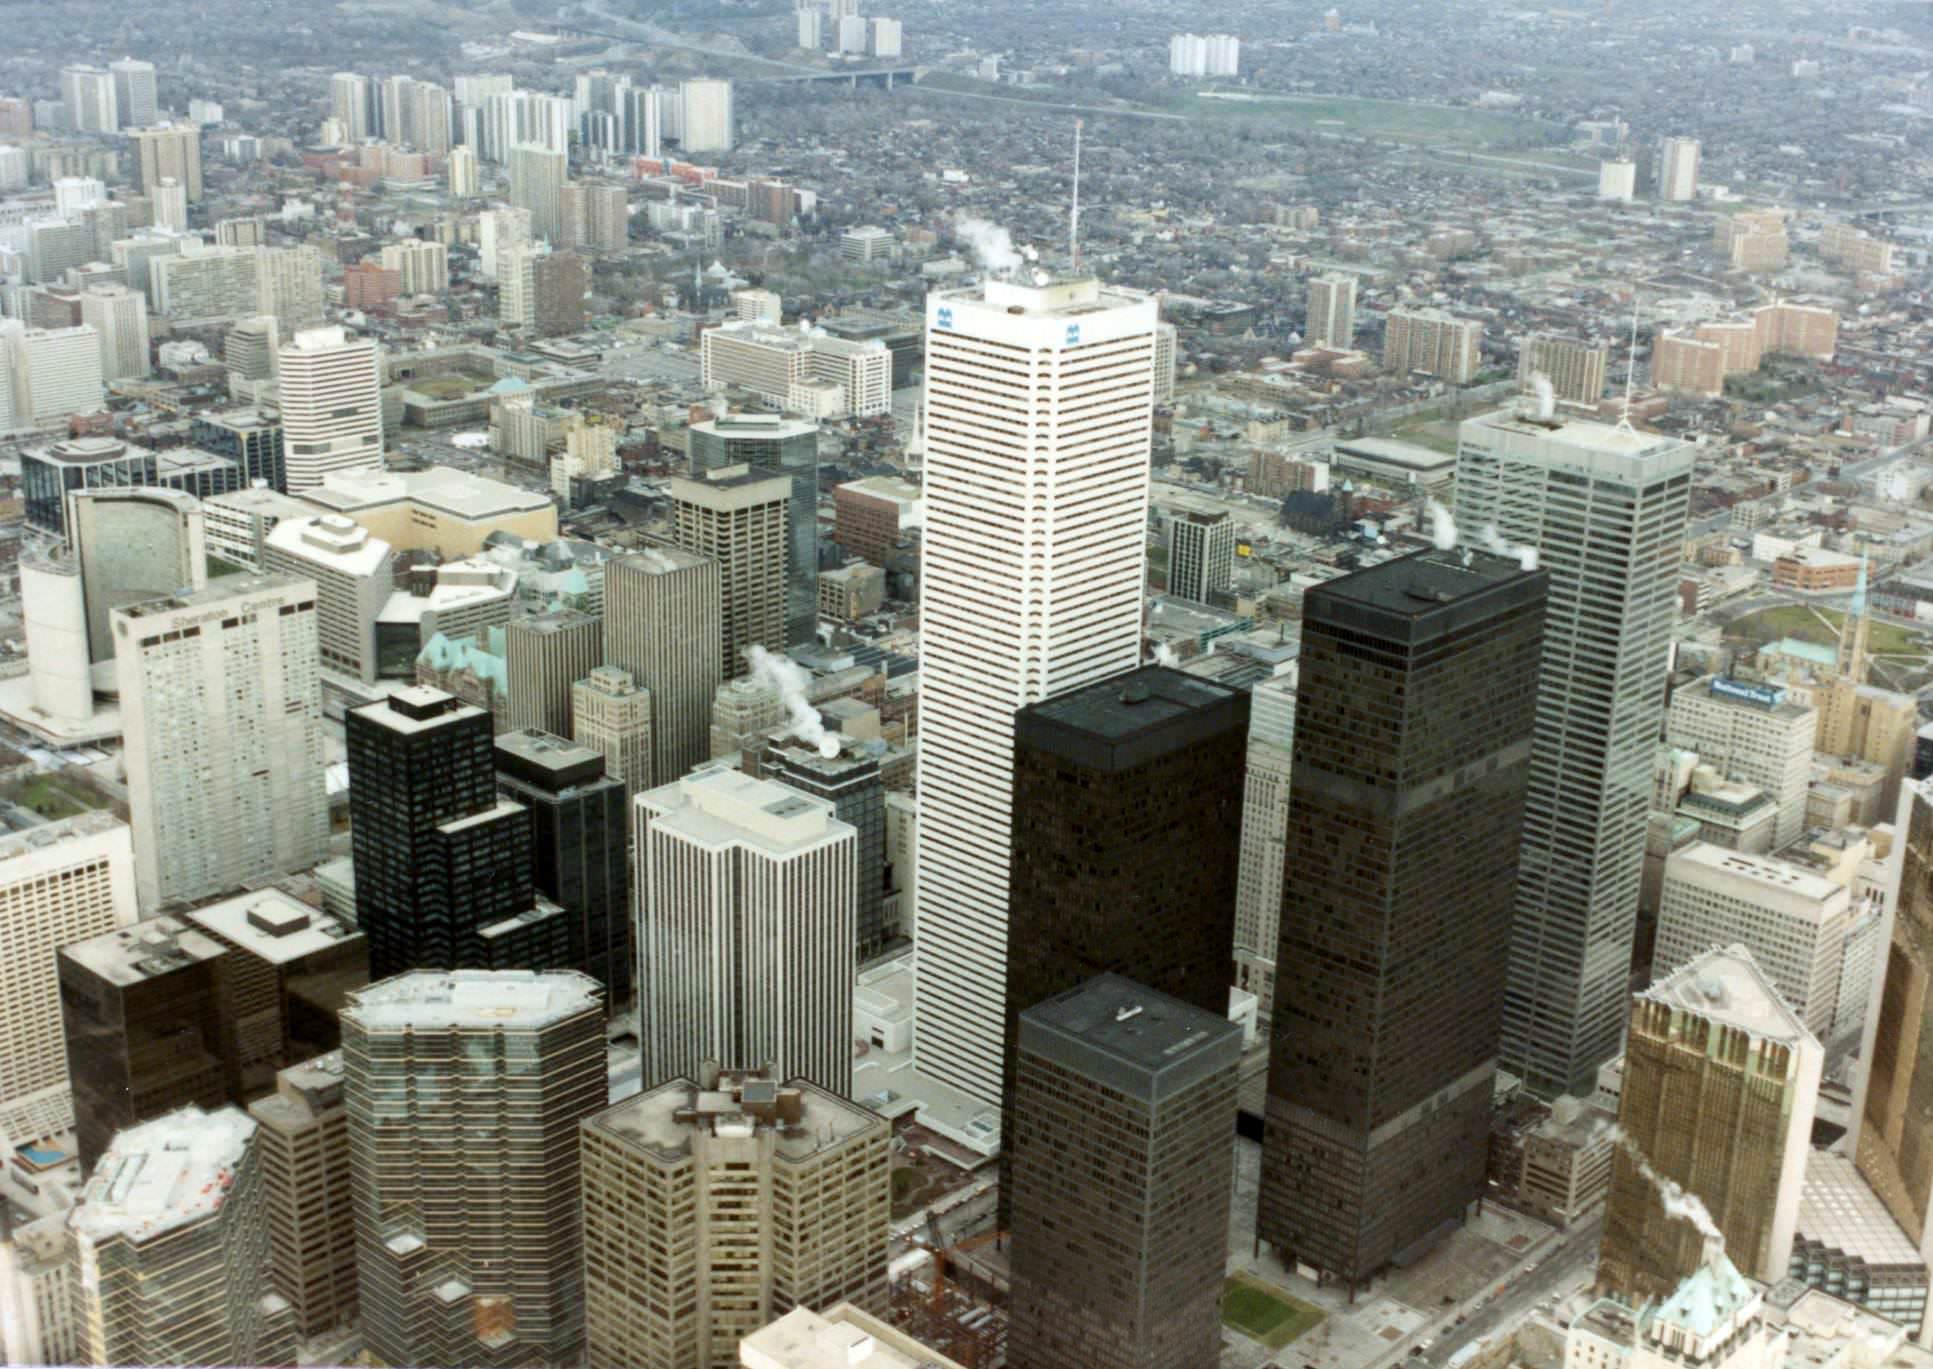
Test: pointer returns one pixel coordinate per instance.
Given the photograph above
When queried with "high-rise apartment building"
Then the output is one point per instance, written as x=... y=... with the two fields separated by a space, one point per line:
x=119 y=318
x=579 y=848
x=1792 y=919
x=331 y=399
x=745 y=929
x=168 y=202
x=1390 y=961
x=302 y=1145
x=1332 y=312
x=1678 y=169
x=1124 y=1100
x=171 y=1240
x=88 y=100
x=1015 y=609
x=440 y=858
x=1201 y=556
x=1752 y=732
x=611 y=714
x=1575 y=370
x=350 y=102
x=353 y=581
x=706 y=124
x=738 y=519
x=221 y=707
x=468 y=1224
x=1265 y=825
x=1617 y=179
x=537 y=177
x=851 y=783
x=212 y=285
x=662 y=624
x=288 y=283
x=424 y=266
x=774 y=445
x=134 y=92
x=713 y=1204
x=168 y=152
x=60 y=883
x=465 y=182
x=499 y=233
x=38 y=1294
x=1563 y=488
x=544 y=655
x=1721 y=1079
x=1433 y=342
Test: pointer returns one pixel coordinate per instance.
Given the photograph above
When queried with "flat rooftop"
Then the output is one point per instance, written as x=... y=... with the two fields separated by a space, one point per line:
x=1584 y=433
x=219 y=591
x=1130 y=1036
x=659 y=1122
x=461 y=494
x=1838 y=1208
x=1763 y=872
x=506 y=1000
x=1420 y=597
x=273 y=926
x=1132 y=718
x=660 y=560
x=161 y=1175
x=1395 y=452
x=50 y=836
x=1727 y=986
x=770 y=427
x=843 y=1338
x=717 y=806
x=417 y=708
x=147 y=950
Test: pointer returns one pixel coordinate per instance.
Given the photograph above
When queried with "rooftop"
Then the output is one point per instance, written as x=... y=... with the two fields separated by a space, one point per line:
x=718 y=806
x=660 y=560
x=417 y=708
x=272 y=925
x=1838 y=1208
x=1396 y=452
x=505 y=1000
x=1710 y=1299
x=1728 y=987
x=1429 y=594
x=1585 y=434
x=1133 y=718
x=544 y=758
x=50 y=836
x=331 y=540
x=446 y=489
x=843 y=1338
x=1139 y=1039
x=1761 y=875
x=773 y=426
x=150 y=948
x=163 y=1174
x=889 y=487
x=806 y=1118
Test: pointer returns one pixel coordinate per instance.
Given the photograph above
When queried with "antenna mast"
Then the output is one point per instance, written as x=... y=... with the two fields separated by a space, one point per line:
x=1074 y=211
x=1630 y=363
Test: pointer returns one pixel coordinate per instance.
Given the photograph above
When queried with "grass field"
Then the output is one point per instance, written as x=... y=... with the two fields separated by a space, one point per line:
x=1266 y=1314
x=1796 y=620
x=1437 y=434
x=45 y=795
x=446 y=387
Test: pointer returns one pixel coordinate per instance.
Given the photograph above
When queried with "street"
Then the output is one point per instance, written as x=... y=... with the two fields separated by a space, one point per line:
x=1560 y=1271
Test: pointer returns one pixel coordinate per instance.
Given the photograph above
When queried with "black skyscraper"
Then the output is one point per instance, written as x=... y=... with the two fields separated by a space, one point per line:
x=1127 y=801
x=1412 y=742
x=850 y=782
x=443 y=871
x=580 y=857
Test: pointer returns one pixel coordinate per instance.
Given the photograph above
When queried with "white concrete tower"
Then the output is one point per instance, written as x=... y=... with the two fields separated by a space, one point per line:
x=332 y=409
x=1039 y=414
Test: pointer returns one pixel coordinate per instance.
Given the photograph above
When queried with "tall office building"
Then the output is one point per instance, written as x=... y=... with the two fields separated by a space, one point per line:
x=1434 y=343
x=353 y=581
x=1265 y=825
x=1564 y=488
x=706 y=123
x=738 y=519
x=331 y=399
x=56 y=372
x=134 y=92
x=302 y=1144
x=168 y=152
x=221 y=707
x=745 y=929
x=1678 y=169
x=439 y=856
x=544 y=655
x=60 y=883
x=713 y=1204
x=579 y=848
x=1124 y=1100
x=251 y=438
x=609 y=713
x=1201 y=556
x=88 y=100
x=349 y=104
x=119 y=318
x=775 y=445
x=1721 y=1080
x=1575 y=370
x=1390 y=967
x=537 y=178
x=851 y=783
x=171 y=1239
x=1015 y=609
x=1751 y=732
x=140 y=1010
x=1110 y=781
x=468 y=1225
x=662 y=623
x=1332 y=312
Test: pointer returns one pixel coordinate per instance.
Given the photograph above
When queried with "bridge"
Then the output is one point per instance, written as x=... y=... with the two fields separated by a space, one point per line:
x=886 y=77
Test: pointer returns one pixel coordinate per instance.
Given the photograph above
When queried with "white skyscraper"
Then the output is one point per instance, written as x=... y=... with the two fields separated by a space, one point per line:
x=499 y=231
x=1039 y=415
x=424 y=266
x=1332 y=312
x=169 y=198
x=1617 y=179
x=852 y=34
x=886 y=37
x=120 y=317
x=745 y=910
x=537 y=179
x=56 y=372
x=1265 y=823
x=349 y=103
x=134 y=92
x=1605 y=508
x=87 y=95
x=1678 y=169
x=1755 y=733
x=221 y=703
x=707 y=116
x=462 y=170
x=332 y=411
x=288 y=284
x=72 y=194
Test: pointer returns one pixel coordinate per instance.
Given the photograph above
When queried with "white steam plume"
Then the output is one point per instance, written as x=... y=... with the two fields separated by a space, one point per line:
x=1546 y=396
x=790 y=680
x=1671 y=1194
x=989 y=242
x=1493 y=541
x=1165 y=655
x=1442 y=527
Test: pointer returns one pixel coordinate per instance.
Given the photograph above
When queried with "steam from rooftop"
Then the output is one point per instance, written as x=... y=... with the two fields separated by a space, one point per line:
x=1442 y=527
x=790 y=680
x=1546 y=396
x=992 y=246
x=1493 y=541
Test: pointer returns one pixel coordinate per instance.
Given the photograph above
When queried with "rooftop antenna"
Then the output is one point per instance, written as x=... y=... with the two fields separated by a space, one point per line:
x=1074 y=212
x=1630 y=365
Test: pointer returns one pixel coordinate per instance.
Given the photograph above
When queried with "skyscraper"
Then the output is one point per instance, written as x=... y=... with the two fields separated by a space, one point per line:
x=544 y=655
x=850 y=782
x=1678 y=169
x=221 y=708
x=302 y=1142
x=745 y=929
x=774 y=445
x=609 y=713
x=88 y=99
x=439 y=856
x=712 y=1205
x=132 y=545
x=1332 y=312
x=1015 y=608
x=349 y=102
x=119 y=316
x=465 y=1091
x=537 y=177
x=171 y=1237
x=288 y=283
x=707 y=124
x=662 y=623
x=738 y=519
x=1565 y=488
x=134 y=92
x=331 y=398
x=1414 y=715
x=168 y=152
x=1720 y=1083
x=1265 y=826
x=1111 y=782
x=1751 y=732
x=1201 y=556
x=1124 y=1101
x=579 y=848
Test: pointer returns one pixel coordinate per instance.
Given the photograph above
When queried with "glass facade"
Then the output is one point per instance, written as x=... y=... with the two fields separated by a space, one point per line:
x=795 y=456
x=48 y=476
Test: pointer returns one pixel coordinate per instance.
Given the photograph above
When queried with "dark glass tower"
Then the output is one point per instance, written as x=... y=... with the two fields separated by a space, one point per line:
x=1413 y=722
x=440 y=859
x=1127 y=801
x=1123 y=1162
x=579 y=850
x=851 y=784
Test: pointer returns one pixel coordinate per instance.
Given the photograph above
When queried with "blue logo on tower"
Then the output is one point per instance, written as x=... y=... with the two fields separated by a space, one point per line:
x=1073 y=335
x=945 y=317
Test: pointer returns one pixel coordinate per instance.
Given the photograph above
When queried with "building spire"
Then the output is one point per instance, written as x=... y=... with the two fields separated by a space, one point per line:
x=1856 y=631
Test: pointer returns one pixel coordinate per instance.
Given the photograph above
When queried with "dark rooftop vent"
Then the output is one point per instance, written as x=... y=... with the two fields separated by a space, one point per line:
x=1135 y=693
